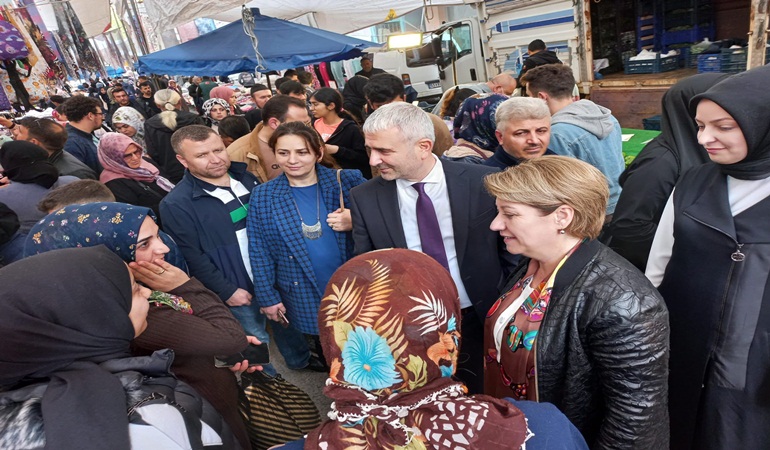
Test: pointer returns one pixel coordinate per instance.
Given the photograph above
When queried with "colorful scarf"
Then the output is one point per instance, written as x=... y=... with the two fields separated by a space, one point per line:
x=112 y=147
x=475 y=121
x=390 y=329
x=133 y=118
x=115 y=225
x=174 y=302
x=208 y=104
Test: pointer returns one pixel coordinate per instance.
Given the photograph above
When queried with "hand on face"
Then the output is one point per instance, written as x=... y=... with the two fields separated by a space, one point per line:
x=159 y=275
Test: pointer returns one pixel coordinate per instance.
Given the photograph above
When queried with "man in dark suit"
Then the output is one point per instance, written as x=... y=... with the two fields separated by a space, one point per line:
x=391 y=211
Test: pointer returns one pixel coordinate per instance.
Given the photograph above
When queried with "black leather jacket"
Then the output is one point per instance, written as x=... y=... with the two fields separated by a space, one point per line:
x=602 y=351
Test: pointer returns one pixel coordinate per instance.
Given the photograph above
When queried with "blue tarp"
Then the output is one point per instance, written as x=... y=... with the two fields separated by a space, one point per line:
x=228 y=50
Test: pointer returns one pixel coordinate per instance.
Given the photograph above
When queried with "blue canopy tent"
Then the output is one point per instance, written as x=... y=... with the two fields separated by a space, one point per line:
x=227 y=50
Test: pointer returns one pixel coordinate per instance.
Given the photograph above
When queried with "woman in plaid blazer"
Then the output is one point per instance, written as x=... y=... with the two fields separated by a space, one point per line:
x=298 y=228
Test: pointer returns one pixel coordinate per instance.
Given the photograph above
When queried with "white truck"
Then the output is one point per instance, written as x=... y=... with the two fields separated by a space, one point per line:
x=475 y=49
x=423 y=76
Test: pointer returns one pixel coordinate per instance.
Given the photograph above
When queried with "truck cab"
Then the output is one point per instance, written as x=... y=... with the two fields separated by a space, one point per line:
x=474 y=50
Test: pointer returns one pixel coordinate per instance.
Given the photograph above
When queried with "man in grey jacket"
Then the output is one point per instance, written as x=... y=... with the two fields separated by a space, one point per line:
x=579 y=128
x=51 y=137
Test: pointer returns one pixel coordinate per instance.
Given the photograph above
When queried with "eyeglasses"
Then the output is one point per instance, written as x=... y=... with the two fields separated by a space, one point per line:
x=100 y=113
x=134 y=154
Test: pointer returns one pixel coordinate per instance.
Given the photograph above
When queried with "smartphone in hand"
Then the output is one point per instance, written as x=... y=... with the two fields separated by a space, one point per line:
x=257 y=355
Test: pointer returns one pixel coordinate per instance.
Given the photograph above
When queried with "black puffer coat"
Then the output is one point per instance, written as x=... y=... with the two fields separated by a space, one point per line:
x=602 y=350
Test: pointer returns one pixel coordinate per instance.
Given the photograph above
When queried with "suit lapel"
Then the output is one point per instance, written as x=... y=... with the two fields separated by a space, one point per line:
x=387 y=200
x=458 y=190
x=290 y=227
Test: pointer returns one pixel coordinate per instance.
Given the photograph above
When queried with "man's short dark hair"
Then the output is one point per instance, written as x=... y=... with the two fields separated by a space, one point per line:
x=258 y=87
x=117 y=89
x=556 y=80
x=57 y=99
x=48 y=133
x=77 y=192
x=292 y=87
x=536 y=45
x=290 y=73
x=383 y=88
x=79 y=106
x=278 y=106
x=195 y=133
x=305 y=77
x=144 y=83
x=206 y=78
x=233 y=127
x=280 y=81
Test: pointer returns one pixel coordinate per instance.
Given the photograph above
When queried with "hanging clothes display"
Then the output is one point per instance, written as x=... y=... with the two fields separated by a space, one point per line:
x=316 y=85
x=338 y=74
x=324 y=68
x=25 y=75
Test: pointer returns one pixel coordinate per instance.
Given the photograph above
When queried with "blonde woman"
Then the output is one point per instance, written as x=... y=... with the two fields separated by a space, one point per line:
x=576 y=324
x=159 y=128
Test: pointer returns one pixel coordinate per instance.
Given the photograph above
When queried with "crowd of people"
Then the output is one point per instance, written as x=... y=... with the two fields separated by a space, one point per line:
x=491 y=277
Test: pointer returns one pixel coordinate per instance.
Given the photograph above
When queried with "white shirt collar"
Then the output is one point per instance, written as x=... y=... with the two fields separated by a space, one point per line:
x=435 y=176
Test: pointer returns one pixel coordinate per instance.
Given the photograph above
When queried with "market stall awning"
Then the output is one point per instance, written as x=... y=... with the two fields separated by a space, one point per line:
x=227 y=50
x=341 y=16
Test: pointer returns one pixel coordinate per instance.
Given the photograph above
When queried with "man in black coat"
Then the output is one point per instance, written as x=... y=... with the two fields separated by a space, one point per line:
x=539 y=55
x=389 y=211
x=122 y=99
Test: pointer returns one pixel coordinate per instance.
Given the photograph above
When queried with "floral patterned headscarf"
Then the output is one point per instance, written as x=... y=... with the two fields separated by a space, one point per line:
x=131 y=117
x=390 y=329
x=475 y=120
x=116 y=225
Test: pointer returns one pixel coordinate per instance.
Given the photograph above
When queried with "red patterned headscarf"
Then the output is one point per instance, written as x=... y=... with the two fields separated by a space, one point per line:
x=390 y=329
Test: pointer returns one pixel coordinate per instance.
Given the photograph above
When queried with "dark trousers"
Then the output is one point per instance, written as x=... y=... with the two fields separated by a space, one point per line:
x=470 y=367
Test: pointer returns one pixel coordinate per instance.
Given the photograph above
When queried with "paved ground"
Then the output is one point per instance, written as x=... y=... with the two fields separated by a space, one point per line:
x=311 y=382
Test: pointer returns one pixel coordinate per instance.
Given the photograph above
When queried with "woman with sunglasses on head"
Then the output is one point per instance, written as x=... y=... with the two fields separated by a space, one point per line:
x=131 y=177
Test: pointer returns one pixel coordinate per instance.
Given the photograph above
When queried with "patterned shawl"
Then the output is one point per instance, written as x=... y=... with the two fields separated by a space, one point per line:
x=210 y=103
x=475 y=121
x=112 y=147
x=129 y=116
x=390 y=329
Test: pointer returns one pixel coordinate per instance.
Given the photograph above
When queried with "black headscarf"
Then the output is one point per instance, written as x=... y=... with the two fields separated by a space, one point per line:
x=25 y=162
x=61 y=330
x=679 y=134
x=746 y=97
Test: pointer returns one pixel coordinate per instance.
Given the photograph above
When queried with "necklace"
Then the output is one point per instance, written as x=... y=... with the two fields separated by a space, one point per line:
x=311 y=232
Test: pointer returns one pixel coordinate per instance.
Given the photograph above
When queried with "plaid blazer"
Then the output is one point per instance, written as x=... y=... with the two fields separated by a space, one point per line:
x=279 y=259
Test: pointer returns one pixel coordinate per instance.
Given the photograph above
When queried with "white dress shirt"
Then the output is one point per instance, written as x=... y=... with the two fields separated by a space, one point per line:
x=435 y=187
